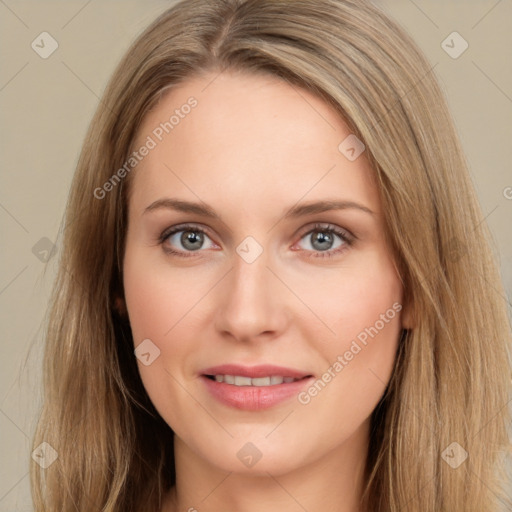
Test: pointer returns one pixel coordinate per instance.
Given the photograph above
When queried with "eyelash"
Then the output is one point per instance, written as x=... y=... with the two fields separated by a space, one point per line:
x=346 y=237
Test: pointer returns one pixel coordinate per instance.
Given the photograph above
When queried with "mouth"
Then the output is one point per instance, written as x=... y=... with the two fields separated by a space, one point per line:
x=240 y=380
x=253 y=388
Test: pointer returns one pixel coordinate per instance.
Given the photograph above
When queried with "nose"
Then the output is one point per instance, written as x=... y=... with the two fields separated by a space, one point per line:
x=253 y=304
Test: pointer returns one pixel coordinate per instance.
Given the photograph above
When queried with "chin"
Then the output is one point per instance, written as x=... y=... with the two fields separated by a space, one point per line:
x=256 y=455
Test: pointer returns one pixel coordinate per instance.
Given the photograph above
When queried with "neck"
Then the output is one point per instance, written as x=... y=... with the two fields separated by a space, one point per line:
x=333 y=482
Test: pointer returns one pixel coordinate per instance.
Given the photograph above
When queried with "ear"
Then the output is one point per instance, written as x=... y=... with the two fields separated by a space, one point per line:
x=407 y=318
x=120 y=306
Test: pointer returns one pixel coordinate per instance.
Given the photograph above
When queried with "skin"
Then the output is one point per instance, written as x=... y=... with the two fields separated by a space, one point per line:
x=253 y=148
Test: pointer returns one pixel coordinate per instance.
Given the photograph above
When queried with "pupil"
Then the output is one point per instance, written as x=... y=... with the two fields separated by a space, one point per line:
x=322 y=238
x=192 y=240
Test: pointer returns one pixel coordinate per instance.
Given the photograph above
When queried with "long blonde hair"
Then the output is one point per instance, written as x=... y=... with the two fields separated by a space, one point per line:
x=452 y=374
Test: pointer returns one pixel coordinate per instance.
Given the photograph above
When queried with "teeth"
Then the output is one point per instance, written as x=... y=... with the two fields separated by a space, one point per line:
x=242 y=381
x=238 y=380
x=262 y=381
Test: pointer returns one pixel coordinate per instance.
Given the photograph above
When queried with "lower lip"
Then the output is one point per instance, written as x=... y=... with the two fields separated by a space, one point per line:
x=254 y=398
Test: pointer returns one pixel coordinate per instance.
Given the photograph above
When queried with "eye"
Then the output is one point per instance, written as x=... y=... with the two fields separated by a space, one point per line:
x=322 y=241
x=325 y=241
x=187 y=239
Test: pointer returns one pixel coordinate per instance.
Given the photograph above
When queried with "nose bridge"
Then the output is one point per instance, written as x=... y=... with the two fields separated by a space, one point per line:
x=251 y=303
x=251 y=278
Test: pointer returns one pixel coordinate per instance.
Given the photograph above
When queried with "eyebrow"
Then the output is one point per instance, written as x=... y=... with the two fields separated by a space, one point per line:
x=294 y=212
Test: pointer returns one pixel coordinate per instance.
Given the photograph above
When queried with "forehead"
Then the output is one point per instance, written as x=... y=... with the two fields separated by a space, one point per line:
x=250 y=137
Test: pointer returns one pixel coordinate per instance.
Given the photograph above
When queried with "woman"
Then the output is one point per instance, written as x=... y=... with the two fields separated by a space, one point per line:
x=275 y=288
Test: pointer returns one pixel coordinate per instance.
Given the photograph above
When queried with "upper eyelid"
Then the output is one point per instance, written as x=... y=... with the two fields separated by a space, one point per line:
x=327 y=226
x=183 y=227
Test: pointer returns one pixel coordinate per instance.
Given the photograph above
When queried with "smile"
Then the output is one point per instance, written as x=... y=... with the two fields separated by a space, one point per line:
x=239 y=380
x=253 y=388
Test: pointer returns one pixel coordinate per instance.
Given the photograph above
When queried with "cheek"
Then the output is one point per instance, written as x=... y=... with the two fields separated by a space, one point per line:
x=359 y=294
x=166 y=304
x=157 y=299
x=370 y=306
x=157 y=295
x=361 y=304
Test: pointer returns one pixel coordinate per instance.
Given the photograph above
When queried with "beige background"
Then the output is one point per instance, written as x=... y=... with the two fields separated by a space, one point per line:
x=46 y=105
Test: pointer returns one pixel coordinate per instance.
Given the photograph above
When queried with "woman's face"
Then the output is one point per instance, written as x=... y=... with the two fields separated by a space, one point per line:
x=256 y=255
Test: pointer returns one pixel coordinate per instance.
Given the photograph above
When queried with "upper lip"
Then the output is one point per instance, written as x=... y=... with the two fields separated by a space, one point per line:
x=262 y=370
